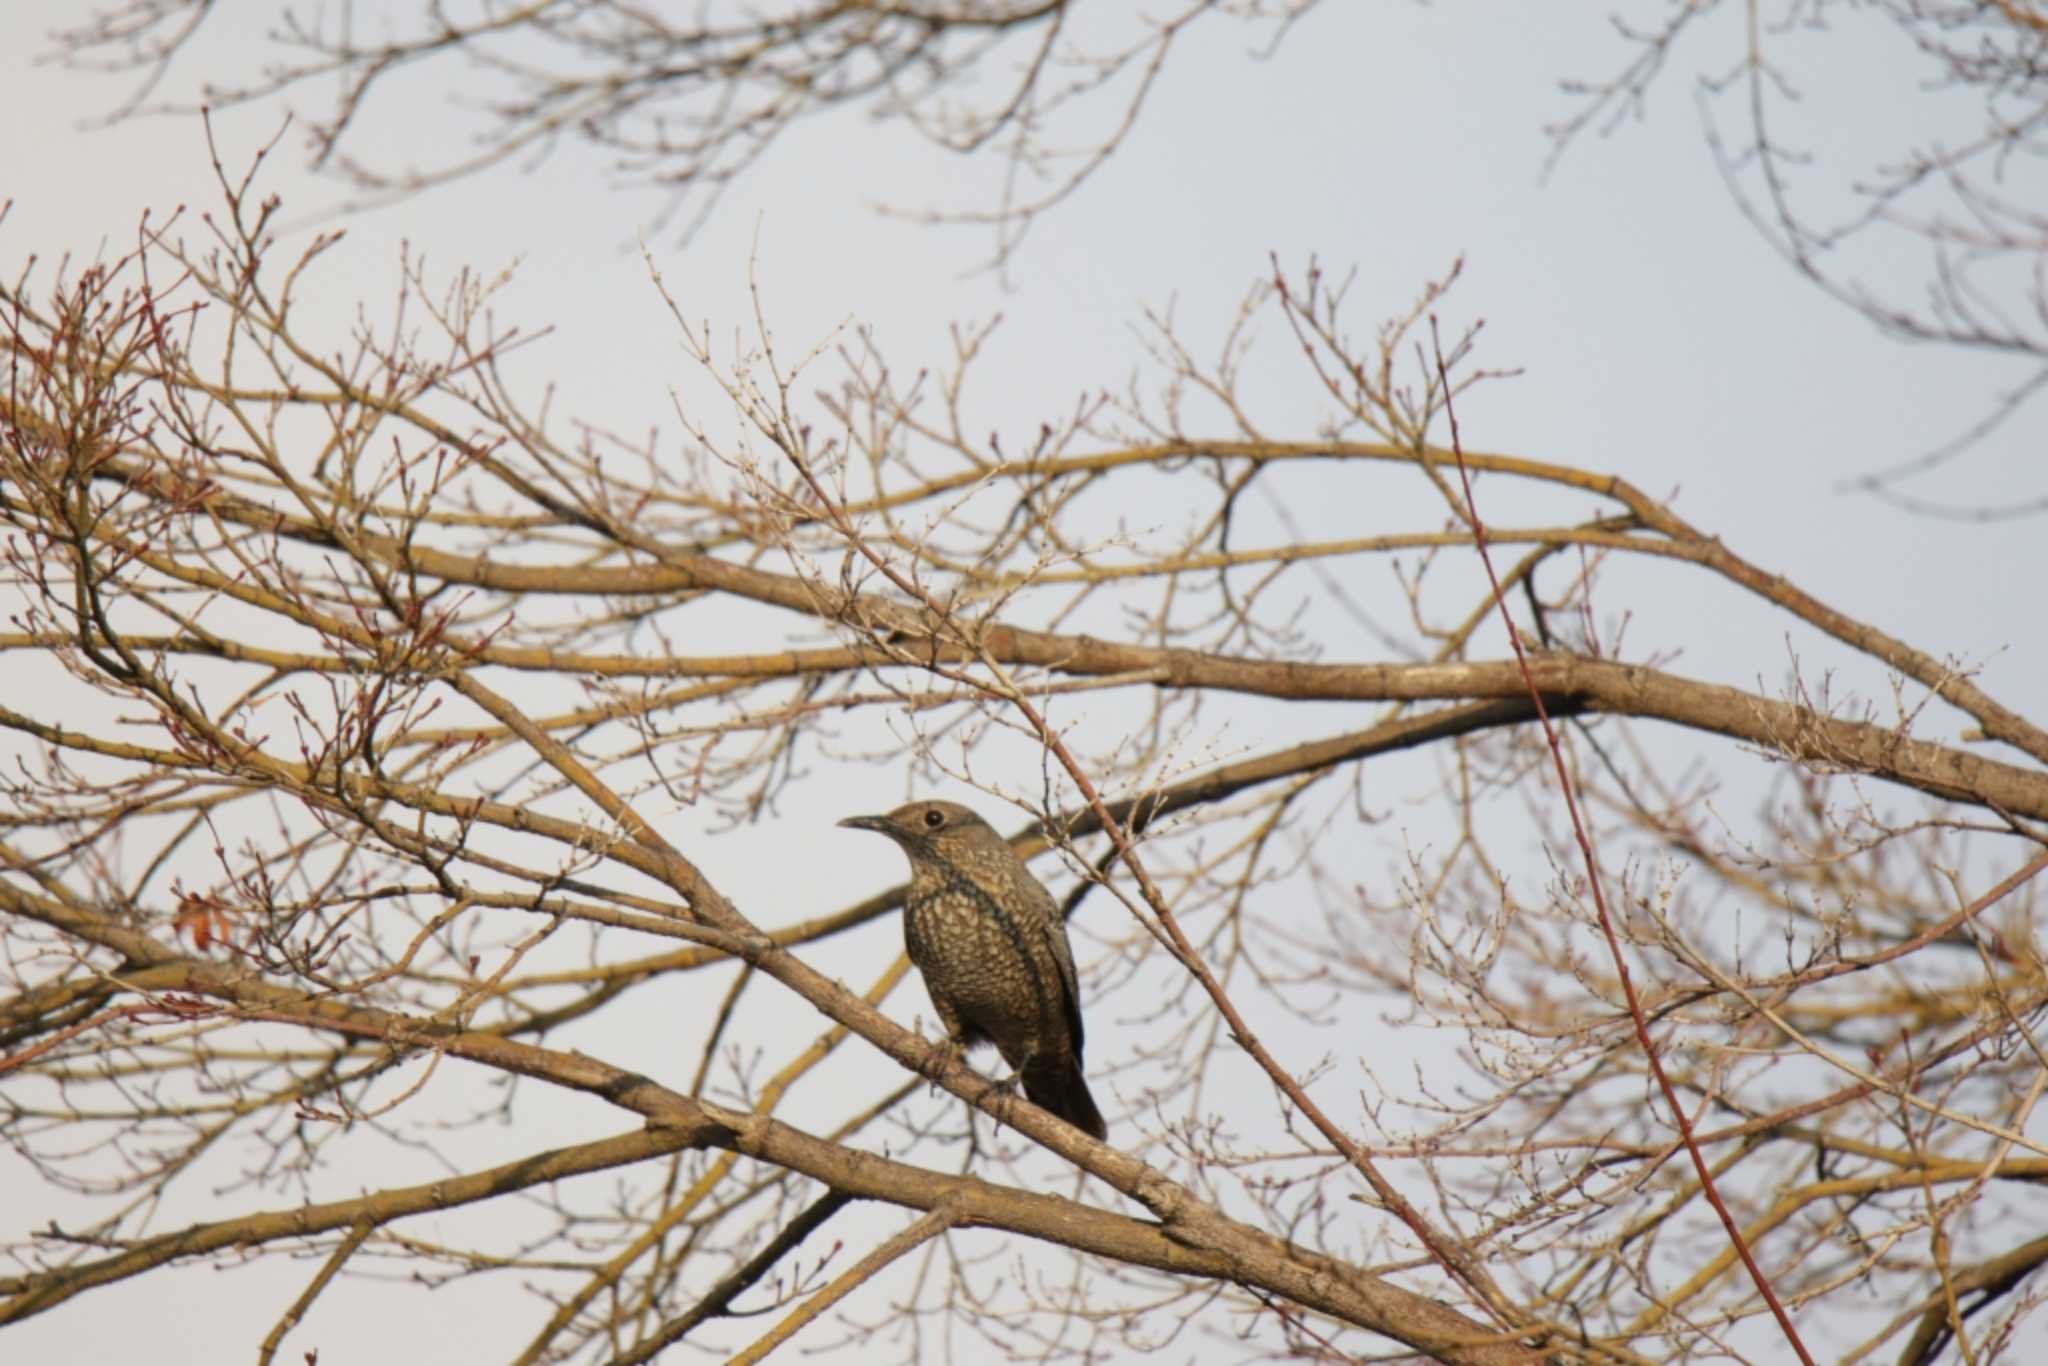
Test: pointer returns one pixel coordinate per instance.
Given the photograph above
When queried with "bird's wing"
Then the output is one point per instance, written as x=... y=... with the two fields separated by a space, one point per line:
x=1063 y=956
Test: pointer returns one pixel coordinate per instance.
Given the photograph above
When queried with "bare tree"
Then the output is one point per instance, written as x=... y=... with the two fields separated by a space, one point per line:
x=378 y=736
x=1837 y=203
x=683 y=102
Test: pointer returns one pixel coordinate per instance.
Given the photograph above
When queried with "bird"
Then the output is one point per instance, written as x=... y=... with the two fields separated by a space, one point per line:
x=992 y=946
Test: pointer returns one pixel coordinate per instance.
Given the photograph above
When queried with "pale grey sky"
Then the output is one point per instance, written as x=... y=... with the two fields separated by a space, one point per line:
x=1657 y=336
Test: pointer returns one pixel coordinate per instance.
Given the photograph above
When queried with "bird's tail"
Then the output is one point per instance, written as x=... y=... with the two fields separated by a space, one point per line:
x=1062 y=1089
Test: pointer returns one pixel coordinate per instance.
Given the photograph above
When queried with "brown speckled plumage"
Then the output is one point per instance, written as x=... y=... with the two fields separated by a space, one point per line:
x=993 y=950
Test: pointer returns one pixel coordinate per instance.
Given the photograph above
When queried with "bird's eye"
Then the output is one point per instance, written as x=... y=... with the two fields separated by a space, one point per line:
x=934 y=819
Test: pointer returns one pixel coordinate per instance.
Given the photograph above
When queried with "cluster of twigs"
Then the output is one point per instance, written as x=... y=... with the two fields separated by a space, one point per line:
x=373 y=741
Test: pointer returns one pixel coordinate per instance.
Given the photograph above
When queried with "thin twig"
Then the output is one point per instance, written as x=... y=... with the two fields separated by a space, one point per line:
x=1585 y=843
x=930 y=1226
x=357 y=1236
x=718 y=1300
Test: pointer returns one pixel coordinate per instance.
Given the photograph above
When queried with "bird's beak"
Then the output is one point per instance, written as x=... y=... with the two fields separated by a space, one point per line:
x=878 y=824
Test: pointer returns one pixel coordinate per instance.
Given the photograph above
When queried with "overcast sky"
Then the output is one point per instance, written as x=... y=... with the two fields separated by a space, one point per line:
x=1657 y=336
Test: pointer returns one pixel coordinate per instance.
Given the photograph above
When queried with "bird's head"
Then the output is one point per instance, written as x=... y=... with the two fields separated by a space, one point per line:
x=927 y=825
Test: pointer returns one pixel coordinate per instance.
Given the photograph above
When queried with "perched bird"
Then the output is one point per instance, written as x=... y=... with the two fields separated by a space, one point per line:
x=993 y=950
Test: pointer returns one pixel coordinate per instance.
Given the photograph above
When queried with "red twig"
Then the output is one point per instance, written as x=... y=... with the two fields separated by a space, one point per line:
x=168 y=1009
x=1564 y=782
